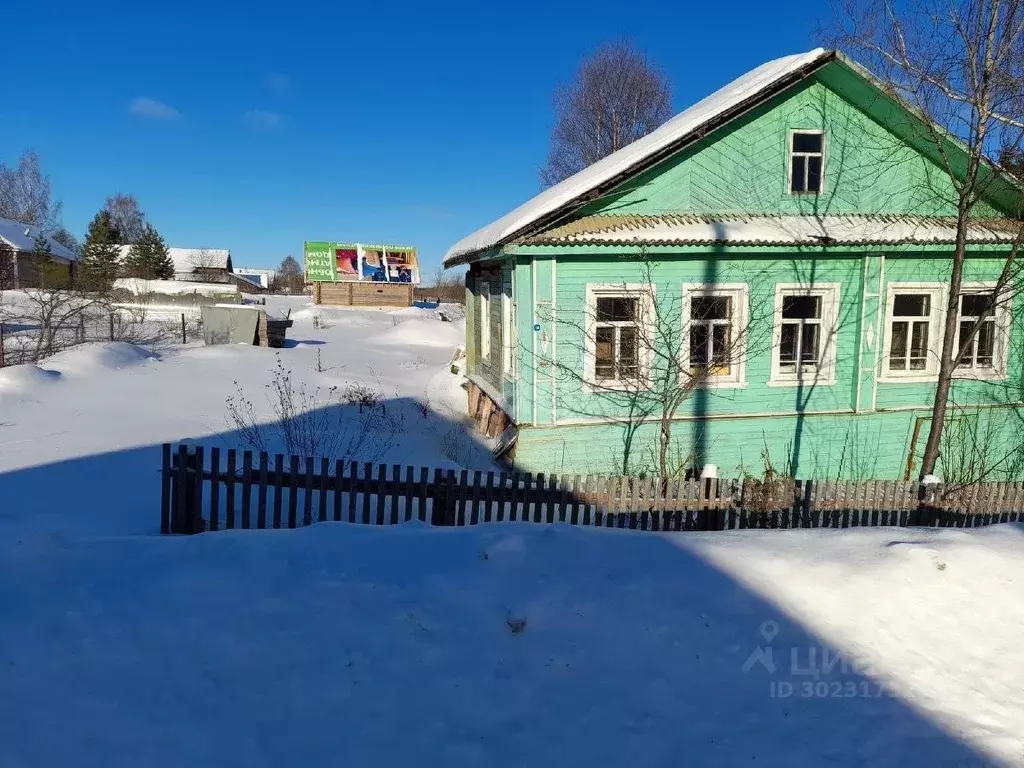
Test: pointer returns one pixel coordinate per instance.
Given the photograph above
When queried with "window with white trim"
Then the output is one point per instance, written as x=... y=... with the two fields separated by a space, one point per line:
x=615 y=351
x=985 y=352
x=714 y=320
x=805 y=334
x=913 y=330
x=485 y=321
x=806 y=162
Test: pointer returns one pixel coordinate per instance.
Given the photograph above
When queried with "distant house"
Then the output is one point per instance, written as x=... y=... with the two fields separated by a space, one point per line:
x=206 y=265
x=802 y=227
x=258 y=275
x=18 y=267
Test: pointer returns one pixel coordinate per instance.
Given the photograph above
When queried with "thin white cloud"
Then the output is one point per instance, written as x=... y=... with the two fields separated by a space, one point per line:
x=278 y=82
x=262 y=119
x=146 y=107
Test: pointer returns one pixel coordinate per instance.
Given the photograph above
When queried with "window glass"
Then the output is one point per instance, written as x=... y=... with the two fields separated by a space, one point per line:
x=911 y=305
x=605 y=353
x=801 y=307
x=806 y=162
x=807 y=142
x=616 y=309
x=976 y=304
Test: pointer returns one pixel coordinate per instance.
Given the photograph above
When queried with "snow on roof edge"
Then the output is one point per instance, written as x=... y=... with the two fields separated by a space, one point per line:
x=739 y=90
x=21 y=237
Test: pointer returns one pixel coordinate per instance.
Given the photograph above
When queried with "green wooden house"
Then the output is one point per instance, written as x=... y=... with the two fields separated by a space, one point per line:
x=794 y=233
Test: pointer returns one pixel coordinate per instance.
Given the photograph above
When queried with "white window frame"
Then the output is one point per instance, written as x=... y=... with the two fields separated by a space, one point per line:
x=507 y=335
x=1003 y=322
x=738 y=293
x=825 y=375
x=485 y=320
x=939 y=298
x=645 y=306
x=789 y=160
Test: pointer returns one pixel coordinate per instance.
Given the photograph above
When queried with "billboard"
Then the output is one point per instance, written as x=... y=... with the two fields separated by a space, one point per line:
x=334 y=262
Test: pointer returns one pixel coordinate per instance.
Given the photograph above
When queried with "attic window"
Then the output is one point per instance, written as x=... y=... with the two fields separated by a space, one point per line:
x=806 y=162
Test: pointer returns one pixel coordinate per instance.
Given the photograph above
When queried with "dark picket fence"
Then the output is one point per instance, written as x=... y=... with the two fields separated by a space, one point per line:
x=200 y=492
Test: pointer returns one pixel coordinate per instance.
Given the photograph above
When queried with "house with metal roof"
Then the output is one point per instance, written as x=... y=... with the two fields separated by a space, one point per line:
x=759 y=282
x=19 y=267
x=211 y=265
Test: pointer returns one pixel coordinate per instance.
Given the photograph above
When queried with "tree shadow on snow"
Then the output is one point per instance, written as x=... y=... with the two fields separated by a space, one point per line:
x=636 y=650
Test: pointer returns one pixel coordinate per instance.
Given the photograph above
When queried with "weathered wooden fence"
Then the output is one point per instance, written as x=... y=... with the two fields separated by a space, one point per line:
x=213 y=490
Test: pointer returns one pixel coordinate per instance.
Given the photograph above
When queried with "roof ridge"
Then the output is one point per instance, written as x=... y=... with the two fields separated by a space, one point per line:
x=731 y=99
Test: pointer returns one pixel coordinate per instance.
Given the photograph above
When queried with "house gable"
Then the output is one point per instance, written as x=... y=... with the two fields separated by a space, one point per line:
x=877 y=161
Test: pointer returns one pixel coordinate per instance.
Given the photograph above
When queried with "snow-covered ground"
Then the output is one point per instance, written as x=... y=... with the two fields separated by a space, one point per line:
x=90 y=420
x=500 y=645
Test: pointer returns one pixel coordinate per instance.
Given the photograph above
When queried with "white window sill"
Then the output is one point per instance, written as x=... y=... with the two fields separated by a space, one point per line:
x=976 y=375
x=794 y=382
x=723 y=385
x=613 y=385
x=931 y=378
x=922 y=378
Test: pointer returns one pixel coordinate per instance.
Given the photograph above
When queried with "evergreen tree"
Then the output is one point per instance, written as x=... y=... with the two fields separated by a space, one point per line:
x=163 y=265
x=136 y=263
x=51 y=274
x=100 y=254
x=149 y=258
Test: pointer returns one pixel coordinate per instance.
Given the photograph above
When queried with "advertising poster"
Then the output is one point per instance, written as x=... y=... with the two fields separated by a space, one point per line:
x=332 y=262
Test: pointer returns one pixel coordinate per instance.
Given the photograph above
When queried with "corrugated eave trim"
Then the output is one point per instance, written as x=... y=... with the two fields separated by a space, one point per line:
x=572 y=233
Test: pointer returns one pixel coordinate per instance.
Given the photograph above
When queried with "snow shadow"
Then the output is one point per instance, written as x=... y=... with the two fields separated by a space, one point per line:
x=341 y=644
x=292 y=343
x=114 y=492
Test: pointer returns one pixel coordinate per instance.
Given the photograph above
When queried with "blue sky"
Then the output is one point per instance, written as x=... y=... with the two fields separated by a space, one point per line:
x=255 y=126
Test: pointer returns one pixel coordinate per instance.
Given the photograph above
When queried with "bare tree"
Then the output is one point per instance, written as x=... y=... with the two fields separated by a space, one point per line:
x=448 y=286
x=617 y=97
x=67 y=239
x=126 y=217
x=289 y=277
x=207 y=264
x=640 y=351
x=959 y=64
x=26 y=196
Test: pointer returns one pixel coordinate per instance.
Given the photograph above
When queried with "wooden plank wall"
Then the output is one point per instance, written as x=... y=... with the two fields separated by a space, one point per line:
x=364 y=294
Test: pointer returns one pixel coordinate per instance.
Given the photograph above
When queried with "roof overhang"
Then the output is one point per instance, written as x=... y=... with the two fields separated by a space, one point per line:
x=773 y=230
x=709 y=114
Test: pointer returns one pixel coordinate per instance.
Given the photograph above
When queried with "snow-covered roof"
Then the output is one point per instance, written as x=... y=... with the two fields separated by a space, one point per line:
x=191 y=259
x=690 y=229
x=22 y=237
x=188 y=260
x=633 y=155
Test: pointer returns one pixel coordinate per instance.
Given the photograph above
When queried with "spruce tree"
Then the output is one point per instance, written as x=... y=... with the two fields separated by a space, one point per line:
x=160 y=255
x=50 y=273
x=100 y=254
x=149 y=257
x=137 y=262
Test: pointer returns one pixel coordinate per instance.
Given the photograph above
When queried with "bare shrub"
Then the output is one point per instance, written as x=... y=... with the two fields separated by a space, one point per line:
x=769 y=493
x=48 y=321
x=321 y=422
x=457 y=445
x=360 y=395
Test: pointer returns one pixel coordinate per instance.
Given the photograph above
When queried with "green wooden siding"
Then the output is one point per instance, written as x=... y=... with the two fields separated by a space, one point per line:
x=807 y=418
x=859 y=426
x=827 y=446
x=743 y=168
